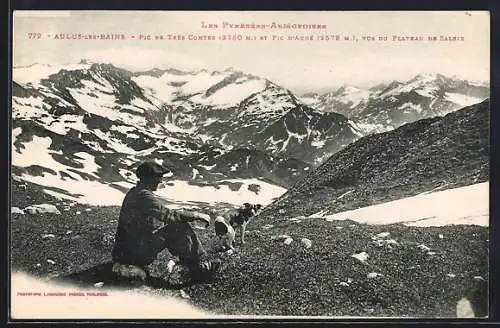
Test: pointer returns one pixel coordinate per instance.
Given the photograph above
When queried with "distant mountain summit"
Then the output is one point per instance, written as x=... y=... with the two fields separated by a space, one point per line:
x=389 y=105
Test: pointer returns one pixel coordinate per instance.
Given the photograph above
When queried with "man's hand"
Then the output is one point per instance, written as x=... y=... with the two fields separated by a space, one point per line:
x=190 y=216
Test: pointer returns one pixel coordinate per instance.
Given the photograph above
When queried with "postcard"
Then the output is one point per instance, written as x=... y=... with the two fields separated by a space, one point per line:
x=249 y=164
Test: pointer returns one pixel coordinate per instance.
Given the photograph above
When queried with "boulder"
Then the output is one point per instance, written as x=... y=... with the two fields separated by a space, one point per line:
x=42 y=208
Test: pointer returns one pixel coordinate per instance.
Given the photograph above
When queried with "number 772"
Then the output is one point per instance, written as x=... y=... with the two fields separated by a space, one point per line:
x=32 y=35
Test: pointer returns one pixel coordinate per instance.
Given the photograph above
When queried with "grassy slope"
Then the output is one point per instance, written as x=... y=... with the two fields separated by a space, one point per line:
x=266 y=277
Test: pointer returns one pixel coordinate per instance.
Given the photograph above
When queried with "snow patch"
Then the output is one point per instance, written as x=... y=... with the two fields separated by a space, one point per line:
x=318 y=215
x=105 y=106
x=465 y=205
x=16 y=210
x=354 y=96
x=210 y=121
x=88 y=192
x=88 y=162
x=356 y=129
x=31 y=107
x=410 y=105
x=369 y=128
x=116 y=145
x=36 y=152
x=207 y=167
x=125 y=129
x=156 y=87
x=461 y=99
x=64 y=124
x=181 y=191
x=201 y=82
x=309 y=101
x=16 y=133
x=427 y=91
x=231 y=94
x=195 y=174
x=318 y=143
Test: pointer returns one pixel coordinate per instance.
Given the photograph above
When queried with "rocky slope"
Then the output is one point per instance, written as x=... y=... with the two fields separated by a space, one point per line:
x=430 y=154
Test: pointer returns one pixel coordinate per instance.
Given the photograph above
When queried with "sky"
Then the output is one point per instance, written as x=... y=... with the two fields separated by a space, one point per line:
x=302 y=66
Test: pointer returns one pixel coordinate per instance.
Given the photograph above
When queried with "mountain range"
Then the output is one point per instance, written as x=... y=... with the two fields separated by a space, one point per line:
x=387 y=106
x=90 y=123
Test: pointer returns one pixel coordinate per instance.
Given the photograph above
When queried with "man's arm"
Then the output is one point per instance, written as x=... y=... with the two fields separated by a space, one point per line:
x=186 y=216
x=155 y=208
x=152 y=207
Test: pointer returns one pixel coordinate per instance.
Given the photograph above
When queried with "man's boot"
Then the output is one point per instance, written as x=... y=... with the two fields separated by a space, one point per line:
x=130 y=271
x=205 y=271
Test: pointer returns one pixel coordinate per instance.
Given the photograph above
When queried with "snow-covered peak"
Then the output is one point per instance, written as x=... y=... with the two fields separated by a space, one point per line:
x=231 y=94
x=346 y=95
x=347 y=89
x=425 y=84
x=36 y=72
x=426 y=77
x=270 y=101
x=207 y=88
x=353 y=95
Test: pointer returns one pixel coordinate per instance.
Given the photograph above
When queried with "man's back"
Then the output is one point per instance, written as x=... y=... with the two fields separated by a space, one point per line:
x=140 y=215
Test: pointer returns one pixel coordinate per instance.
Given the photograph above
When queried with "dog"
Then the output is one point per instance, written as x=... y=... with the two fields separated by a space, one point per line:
x=225 y=234
x=242 y=217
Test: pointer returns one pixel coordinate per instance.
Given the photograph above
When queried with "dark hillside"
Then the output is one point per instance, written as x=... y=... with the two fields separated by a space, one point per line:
x=441 y=152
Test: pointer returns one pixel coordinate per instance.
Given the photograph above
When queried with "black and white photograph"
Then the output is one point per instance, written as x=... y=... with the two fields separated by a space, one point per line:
x=250 y=164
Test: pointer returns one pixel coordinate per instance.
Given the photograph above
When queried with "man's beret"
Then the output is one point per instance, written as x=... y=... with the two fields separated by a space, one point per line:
x=150 y=169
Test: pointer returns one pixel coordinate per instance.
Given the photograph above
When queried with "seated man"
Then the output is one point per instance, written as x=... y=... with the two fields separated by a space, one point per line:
x=146 y=227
